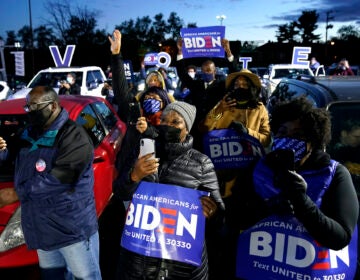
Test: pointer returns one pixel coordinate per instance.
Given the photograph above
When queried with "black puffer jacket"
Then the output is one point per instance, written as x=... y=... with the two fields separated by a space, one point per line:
x=179 y=165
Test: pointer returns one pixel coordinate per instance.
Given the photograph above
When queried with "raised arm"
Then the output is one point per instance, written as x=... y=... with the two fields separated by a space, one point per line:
x=120 y=86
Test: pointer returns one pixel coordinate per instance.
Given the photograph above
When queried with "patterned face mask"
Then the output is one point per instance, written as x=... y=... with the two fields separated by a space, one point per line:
x=151 y=106
x=298 y=146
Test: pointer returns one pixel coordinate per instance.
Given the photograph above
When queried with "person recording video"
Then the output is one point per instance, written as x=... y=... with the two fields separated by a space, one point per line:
x=69 y=87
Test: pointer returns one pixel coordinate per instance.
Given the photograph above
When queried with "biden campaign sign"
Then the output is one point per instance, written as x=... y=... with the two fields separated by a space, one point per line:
x=203 y=41
x=228 y=149
x=279 y=247
x=165 y=221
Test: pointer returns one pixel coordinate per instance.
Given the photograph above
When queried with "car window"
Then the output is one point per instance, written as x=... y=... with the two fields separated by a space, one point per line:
x=94 y=77
x=11 y=127
x=53 y=79
x=98 y=77
x=106 y=114
x=281 y=73
x=89 y=120
x=345 y=137
x=287 y=91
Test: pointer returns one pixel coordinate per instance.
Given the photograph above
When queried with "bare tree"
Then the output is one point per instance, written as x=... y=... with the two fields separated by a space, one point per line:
x=59 y=19
x=71 y=24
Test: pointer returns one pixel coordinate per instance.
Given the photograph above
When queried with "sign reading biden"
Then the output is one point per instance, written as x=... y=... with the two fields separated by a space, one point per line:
x=279 y=247
x=165 y=221
x=228 y=149
x=203 y=41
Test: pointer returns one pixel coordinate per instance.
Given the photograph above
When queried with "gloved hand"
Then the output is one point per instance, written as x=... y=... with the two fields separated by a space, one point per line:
x=279 y=205
x=292 y=185
x=238 y=126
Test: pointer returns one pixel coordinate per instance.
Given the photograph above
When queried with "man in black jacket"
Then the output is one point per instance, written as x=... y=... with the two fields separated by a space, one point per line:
x=205 y=92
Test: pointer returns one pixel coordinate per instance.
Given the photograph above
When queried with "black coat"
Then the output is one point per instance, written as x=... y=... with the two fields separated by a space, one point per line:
x=182 y=166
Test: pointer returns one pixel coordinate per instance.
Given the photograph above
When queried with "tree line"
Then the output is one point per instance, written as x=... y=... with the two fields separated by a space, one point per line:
x=65 y=25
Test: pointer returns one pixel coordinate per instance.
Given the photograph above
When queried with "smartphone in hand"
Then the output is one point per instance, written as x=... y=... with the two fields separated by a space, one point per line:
x=135 y=113
x=147 y=146
x=282 y=159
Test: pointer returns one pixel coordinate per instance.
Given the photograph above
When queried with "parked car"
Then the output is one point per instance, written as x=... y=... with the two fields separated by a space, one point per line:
x=106 y=130
x=277 y=72
x=345 y=141
x=260 y=71
x=5 y=90
x=90 y=79
x=320 y=90
x=331 y=69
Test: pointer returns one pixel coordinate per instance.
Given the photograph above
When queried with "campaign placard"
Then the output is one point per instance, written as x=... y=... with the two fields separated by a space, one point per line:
x=228 y=149
x=161 y=59
x=165 y=221
x=128 y=69
x=279 y=247
x=203 y=41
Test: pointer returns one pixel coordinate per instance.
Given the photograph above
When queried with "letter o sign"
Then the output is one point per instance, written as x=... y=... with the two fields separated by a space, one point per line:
x=164 y=59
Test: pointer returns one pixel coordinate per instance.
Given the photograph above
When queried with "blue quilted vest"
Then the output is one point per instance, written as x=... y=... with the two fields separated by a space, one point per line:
x=53 y=214
x=279 y=247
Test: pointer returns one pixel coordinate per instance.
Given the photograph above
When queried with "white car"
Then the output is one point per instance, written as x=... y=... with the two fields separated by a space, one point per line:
x=90 y=79
x=5 y=90
x=279 y=71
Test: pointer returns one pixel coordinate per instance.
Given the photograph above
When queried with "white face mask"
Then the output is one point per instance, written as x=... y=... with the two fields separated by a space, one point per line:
x=69 y=80
x=192 y=74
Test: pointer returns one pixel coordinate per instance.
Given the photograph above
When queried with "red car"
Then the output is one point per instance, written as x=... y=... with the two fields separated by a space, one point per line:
x=107 y=131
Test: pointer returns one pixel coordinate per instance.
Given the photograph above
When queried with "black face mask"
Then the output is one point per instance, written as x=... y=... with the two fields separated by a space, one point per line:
x=241 y=94
x=39 y=118
x=169 y=134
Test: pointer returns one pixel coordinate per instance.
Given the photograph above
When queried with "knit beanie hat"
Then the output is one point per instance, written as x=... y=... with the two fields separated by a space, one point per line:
x=186 y=110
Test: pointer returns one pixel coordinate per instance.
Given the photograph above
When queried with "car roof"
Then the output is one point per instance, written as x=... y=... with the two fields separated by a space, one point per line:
x=69 y=69
x=345 y=87
x=285 y=66
x=70 y=103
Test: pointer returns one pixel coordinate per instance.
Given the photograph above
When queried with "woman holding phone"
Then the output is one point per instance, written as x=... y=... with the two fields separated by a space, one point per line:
x=176 y=163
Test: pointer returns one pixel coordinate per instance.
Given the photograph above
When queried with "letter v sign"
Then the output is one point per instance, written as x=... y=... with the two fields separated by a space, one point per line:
x=62 y=62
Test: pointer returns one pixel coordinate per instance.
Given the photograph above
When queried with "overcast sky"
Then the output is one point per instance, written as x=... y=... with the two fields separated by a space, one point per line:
x=245 y=20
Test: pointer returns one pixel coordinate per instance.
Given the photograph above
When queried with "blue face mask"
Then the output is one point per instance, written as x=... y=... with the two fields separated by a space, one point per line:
x=151 y=106
x=207 y=77
x=298 y=146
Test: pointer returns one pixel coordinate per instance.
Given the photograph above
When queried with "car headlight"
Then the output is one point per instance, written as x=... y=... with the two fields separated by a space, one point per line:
x=12 y=236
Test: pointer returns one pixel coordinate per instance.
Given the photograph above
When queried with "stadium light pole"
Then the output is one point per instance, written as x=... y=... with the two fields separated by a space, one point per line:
x=221 y=18
x=31 y=39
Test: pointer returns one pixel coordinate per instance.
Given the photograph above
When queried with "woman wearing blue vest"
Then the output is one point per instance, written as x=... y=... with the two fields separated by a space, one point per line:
x=304 y=222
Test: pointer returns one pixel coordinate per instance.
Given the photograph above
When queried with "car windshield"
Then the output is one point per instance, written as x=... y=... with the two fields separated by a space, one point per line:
x=11 y=127
x=52 y=79
x=281 y=73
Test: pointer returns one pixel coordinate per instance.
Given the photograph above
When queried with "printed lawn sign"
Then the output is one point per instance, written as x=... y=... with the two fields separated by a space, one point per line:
x=165 y=221
x=227 y=149
x=279 y=247
x=203 y=41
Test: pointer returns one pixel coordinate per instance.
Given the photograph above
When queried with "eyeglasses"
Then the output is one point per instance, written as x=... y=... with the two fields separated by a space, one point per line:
x=35 y=106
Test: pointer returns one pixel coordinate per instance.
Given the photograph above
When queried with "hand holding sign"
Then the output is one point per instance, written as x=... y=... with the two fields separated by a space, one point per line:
x=209 y=206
